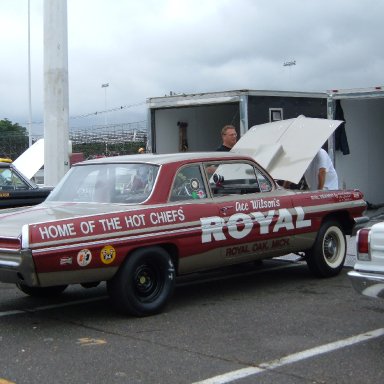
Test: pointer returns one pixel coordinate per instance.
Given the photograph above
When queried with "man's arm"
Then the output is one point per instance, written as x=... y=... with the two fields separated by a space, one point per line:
x=321 y=178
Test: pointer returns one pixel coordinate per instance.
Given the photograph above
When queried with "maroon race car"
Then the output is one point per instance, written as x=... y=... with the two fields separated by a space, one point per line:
x=139 y=221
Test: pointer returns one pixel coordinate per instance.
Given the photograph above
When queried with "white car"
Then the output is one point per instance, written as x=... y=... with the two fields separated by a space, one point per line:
x=368 y=274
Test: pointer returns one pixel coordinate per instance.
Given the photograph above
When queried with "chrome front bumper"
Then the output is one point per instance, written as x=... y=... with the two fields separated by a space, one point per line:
x=368 y=283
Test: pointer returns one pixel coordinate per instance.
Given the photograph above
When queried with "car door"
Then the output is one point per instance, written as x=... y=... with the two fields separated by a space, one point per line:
x=255 y=219
x=190 y=199
x=15 y=191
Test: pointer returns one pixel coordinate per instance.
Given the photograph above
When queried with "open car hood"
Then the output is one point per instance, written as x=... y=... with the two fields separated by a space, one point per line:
x=30 y=161
x=285 y=148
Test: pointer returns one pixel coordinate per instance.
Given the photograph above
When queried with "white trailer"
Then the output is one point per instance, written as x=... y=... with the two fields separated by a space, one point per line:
x=193 y=122
x=364 y=125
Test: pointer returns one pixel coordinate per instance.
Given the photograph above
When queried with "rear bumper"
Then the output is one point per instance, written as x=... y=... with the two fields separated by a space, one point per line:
x=360 y=222
x=368 y=283
x=17 y=267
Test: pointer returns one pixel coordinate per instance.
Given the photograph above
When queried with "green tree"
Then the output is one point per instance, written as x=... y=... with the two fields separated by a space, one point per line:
x=7 y=128
x=13 y=139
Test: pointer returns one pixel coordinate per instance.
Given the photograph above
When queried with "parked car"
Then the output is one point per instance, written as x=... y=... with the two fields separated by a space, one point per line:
x=368 y=275
x=139 y=221
x=16 y=190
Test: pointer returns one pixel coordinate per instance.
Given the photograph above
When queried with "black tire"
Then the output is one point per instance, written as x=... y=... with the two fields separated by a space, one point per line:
x=42 y=291
x=144 y=283
x=326 y=257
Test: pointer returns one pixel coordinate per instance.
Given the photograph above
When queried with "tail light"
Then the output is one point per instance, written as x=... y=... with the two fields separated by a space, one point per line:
x=362 y=244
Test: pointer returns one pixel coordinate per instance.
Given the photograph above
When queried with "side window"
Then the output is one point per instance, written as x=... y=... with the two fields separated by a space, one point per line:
x=232 y=178
x=264 y=183
x=9 y=180
x=188 y=184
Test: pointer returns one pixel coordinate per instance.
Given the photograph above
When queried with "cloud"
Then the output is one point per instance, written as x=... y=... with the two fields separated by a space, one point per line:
x=149 y=48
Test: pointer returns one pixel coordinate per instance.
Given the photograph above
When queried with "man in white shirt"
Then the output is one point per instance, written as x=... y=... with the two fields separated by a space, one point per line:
x=321 y=173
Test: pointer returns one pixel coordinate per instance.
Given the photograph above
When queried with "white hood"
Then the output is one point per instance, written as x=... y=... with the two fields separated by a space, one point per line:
x=285 y=148
x=30 y=161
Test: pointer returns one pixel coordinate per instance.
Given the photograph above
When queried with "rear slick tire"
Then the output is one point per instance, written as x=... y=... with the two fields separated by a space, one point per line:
x=327 y=255
x=144 y=283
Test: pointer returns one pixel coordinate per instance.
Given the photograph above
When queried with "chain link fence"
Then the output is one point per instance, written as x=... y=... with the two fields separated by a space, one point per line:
x=108 y=140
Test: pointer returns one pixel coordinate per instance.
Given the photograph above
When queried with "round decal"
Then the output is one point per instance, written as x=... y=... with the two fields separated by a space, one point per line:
x=84 y=257
x=108 y=254
x=201 y=194
x=195 y=184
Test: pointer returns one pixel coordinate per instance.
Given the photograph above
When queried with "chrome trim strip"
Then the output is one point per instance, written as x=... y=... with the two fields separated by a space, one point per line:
x=9 y=250
x=25 y=236
x=7 y=263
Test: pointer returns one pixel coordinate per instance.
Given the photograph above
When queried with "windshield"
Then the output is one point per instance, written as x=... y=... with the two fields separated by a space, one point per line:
x=106 y=183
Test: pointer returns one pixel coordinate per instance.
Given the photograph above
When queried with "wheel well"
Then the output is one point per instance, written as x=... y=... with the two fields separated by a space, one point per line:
x=170 y=248
x=173 y=252
x=343 y=218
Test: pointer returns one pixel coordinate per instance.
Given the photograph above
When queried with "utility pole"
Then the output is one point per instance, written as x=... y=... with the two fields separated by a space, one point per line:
x=29 y=77
x=56 y=103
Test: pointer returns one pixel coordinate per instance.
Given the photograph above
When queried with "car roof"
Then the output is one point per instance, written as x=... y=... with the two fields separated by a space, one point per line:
x=159 y=159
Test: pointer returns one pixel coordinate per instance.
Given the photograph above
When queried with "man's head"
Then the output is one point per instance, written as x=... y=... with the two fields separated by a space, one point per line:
x=229 y=136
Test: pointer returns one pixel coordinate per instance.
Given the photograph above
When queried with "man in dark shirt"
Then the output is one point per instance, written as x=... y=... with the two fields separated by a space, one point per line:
x=229 y=137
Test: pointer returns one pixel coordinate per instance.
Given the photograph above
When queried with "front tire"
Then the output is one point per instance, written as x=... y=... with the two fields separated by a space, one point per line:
x=144 y=283
x=326 y=257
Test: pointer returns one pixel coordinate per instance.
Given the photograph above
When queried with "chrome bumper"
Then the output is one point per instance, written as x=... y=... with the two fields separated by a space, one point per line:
x=17 y=267
x=360 y=222
x=368 y=283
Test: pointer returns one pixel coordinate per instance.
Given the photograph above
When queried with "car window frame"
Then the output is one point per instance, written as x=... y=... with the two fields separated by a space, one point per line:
x=256 y=169
x=199 y=188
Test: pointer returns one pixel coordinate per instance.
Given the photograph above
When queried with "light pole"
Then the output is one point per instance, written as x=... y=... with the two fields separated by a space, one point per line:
x=29 y=78
x=105 y=86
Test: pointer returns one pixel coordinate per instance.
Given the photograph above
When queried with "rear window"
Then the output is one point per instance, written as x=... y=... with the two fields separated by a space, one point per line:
x=107 y=183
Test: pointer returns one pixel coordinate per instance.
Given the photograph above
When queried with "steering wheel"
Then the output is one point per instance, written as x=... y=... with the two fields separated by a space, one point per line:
x=185 y=190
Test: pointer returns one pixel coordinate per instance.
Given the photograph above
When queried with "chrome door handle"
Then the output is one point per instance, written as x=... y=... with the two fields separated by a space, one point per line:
x=225 y=209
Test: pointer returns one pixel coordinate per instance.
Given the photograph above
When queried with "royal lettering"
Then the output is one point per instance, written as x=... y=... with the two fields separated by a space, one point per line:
x=240 y=225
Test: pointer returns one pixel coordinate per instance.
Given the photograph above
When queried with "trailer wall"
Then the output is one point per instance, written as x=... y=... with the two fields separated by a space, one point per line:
x=362 y=168
x=259 y=107
x=203 y=129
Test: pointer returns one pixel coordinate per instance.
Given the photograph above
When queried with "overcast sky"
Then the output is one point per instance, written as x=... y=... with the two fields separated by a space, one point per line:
x=147 y=48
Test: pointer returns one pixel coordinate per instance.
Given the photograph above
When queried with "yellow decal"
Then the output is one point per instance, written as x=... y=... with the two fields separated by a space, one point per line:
x=108 y=254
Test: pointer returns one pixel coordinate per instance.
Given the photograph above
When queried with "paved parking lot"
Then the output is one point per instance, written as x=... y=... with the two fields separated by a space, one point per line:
x=273 y=323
